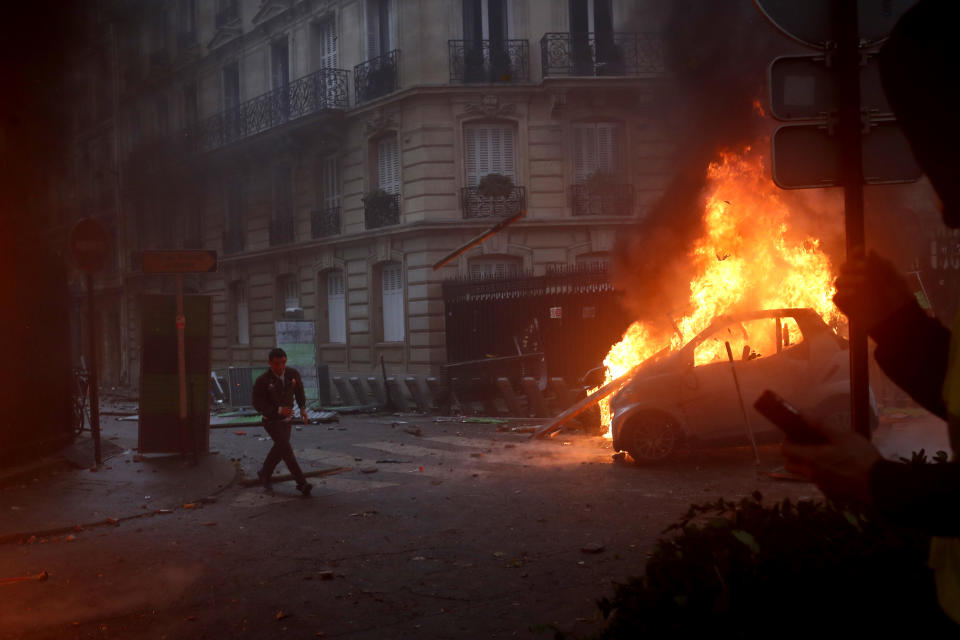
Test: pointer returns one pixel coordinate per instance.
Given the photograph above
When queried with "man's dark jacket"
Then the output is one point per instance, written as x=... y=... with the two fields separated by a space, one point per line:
x=269 y=394
x=912 y=349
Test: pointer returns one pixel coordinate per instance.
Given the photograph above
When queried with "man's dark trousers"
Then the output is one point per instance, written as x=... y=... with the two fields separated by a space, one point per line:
x=279 y=431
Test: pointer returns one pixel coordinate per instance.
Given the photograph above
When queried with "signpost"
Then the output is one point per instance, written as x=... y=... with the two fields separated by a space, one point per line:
x=836 y=93
x=90 y=247
x=180 y=262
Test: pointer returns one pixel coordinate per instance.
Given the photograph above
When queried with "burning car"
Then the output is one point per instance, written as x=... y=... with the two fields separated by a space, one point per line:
x=689 y=396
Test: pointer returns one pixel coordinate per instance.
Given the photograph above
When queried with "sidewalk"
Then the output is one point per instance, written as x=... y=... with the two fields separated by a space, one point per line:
x=53 y=497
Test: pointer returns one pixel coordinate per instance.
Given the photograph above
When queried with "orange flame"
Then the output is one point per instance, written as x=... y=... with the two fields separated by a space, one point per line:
x=748 y=259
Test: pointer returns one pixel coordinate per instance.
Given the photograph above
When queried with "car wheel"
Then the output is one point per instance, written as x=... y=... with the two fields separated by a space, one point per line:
x=835 y=412
x=652 y=436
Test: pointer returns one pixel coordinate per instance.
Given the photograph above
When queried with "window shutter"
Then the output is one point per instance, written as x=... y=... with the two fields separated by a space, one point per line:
x=330 y=177
x=607 y=147
x=489 y=149
x=328 y=44
x=388 y=165
x=373 y=29
x=336 y=308
x=392 y=281
x=243 y=314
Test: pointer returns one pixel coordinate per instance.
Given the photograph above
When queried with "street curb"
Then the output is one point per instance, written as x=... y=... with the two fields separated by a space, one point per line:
x=46 y=533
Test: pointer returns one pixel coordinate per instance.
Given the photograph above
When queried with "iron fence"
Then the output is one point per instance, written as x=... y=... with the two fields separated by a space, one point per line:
x=475 y=205
x=489 y=61
x=610 y=200
x=322 y=91
x=377 y=77
x=381 y=212
x=592 y=54
x=281 y=230
x=325 y=222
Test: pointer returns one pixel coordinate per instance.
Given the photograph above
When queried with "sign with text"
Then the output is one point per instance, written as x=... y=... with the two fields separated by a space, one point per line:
x=186 y=261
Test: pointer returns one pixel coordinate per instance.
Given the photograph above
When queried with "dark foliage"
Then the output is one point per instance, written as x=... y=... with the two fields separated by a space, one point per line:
x=789 y=570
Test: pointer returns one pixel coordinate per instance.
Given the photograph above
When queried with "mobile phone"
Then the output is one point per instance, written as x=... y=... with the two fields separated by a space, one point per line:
x=786 y=418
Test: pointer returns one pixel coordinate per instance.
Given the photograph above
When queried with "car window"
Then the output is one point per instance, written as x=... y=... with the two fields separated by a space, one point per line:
x=749 y=340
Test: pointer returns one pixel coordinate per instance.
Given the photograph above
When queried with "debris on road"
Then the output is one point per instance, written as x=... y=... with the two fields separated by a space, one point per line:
x=282 y=614
x=392 y=461
x=164 y=511
x=592 y=547
x=368 y=470
x=414 y=431
x=43 y=575
x=240 y=433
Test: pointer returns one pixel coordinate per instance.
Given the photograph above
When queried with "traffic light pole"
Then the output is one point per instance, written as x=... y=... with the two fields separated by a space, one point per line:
x=850 y=126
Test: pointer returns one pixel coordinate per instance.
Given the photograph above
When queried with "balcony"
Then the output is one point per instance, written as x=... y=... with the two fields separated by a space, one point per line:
x=381 y=210
x=591 y=54
x=233 y=240
x=377 y=77
x=610 y=200
x=281 y=230
x=489 y=61
x=325 y=222
x=320 y=92
x=475 y=205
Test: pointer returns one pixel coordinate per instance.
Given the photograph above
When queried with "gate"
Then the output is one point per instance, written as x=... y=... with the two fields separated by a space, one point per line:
x=572 y=315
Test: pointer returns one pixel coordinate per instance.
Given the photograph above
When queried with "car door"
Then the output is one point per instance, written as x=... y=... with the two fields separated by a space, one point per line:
x=708 y=395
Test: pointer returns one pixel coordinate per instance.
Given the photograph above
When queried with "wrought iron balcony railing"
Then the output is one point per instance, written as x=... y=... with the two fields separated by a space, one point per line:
x=325 y=222
x=608 y=200
x=489 y=61
x=479 y=206
x=281 y=230
x=377 y=77
x=592 y=54
x=322 y=91
x=227 y=12
x=381 y=212
x=233 y=241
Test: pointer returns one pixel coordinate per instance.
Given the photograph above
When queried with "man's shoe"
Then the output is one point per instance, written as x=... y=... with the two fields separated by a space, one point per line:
x=305 y=489
x=264 y=480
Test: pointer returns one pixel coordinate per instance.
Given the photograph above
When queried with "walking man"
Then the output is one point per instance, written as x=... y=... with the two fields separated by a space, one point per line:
x=273 y=395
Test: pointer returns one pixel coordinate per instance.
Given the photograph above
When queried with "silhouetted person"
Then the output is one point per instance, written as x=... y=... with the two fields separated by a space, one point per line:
x=919 y=70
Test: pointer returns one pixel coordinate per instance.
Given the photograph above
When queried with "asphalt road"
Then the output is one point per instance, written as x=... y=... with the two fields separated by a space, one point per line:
x=462 y=531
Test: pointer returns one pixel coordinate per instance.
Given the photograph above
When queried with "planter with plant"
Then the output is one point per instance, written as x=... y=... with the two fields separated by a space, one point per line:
x=380 y=208
x=495 y=185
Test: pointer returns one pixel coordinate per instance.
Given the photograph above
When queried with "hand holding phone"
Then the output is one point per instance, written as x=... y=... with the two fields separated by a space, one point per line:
x=782 y=414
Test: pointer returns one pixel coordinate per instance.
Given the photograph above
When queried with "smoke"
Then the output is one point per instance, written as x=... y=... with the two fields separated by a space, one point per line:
x=716 y=55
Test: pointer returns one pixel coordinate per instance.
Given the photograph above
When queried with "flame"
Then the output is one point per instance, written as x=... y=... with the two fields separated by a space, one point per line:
x=748 y=258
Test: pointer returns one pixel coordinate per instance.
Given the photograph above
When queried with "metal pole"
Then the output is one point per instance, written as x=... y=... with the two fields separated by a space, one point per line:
x=743 y=407
x=93 y=384
x=850 y=124
x=181 y=365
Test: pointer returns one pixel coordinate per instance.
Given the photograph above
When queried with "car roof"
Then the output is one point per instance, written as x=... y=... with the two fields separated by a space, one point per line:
x=804 y=316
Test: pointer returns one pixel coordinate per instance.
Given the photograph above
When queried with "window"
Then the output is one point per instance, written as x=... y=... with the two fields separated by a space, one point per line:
x=388 y=164
x=241 y=312
x=279 y=64
x=163 y=116
x=596 y=149
x=190 y=113
x=234 y=208
x=489 y=149
x=324 y=36
x=495 y=267
x=282 y=192
x=379 y=28
x=231 y=86
x=591 y=16
x=336 y=308
x=187 y=21
x=485 y=20
x=329 y=183
x=288 y=295
x=391 y=279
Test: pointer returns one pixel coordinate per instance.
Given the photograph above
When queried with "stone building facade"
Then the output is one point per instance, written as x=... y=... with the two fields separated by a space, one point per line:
x=331 y=151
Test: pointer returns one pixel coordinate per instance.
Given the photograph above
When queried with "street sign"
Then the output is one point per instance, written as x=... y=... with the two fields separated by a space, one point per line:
x=187 y=261
x=812 y=22
x=89 y=245
x=804 y=88
x=808 y=155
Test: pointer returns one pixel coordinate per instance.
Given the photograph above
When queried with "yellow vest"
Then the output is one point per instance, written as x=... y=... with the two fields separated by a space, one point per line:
x=945 y=552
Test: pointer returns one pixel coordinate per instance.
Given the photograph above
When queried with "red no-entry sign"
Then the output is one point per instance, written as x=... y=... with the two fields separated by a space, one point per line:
x=89 y=245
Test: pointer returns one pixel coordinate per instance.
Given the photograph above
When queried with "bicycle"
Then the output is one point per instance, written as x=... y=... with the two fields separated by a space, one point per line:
x=81 y=402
